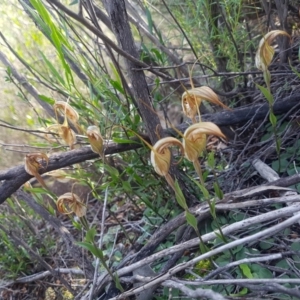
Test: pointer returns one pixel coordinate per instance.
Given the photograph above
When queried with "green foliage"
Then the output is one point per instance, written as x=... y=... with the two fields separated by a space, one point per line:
x=102 y=97
x=15 y=260
x=89 y=244
x=200 y=23
x=179 y=196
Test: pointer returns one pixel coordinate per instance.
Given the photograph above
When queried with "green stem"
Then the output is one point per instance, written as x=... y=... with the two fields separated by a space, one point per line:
x=267 y=78
x=277 y=140
x=108 y=269
x=198 y=169
x=203 y=247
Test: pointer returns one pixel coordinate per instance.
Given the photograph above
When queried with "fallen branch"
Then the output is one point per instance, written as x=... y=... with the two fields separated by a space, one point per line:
x=247 y=113
x=15 y=177
x=42 y=275
x=230 y=229
x=197 y=293
x=262 y=234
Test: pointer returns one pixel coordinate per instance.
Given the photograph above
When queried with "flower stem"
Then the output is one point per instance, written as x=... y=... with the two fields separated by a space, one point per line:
x=198 y=169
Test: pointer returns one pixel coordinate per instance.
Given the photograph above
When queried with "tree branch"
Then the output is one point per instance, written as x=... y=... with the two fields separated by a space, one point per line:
x=201 y=211
x=118 y=16
x=16 y=176
x=264 y=233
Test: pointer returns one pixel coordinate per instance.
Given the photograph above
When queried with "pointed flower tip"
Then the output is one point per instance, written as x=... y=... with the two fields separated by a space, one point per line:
x=66 y=109
x=205 y=128
x=95 y=138
x=69 y=112
x=71 y=203
x=192 y=99
x=265 y=51
x=33 y=164
x=65 y=133
x=194 y=140
x=161 y=154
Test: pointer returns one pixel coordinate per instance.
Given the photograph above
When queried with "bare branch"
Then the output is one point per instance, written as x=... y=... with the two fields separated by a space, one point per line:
x=197 y=293
x=74 y=250
x=42 y=275
x=102 y=36
x=273 y=215
x=245 y=281
x=17 y=176
x=243 y=261
x=119 y=19
x=262 y=234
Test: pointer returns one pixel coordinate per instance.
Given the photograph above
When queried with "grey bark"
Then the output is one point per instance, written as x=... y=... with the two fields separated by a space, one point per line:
x=119 y=19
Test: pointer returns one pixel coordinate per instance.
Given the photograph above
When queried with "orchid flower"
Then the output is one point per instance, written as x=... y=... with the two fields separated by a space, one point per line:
x=191 y=100
x=194 y=142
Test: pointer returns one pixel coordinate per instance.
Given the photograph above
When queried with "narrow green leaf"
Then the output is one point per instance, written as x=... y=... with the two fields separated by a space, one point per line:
x=161 y=40
x=118 y=283
x=53 y=70
x=47 y=99
x=203 y=248
x=116 y=74
x=124 y=141
x=38 y=190
x=37 y=18
x=111 y=170
x=157 y=82
x=158 y=55
x=243 y=292
x=267 y=94
x=74 y=2
x=137 y=119
x=211 y=160
x=90 y=247
x=57 y=38
x=212 y=207
x=217 y=190
x=191 y=219
x=273 y=119
x=149 y=19
x=126 y=186
x=148 y=203
x=203 y=189
x=117 y=85
x=294 y=69
x=219 y=236
x=41 y=10
x=179 y=196
x=90 y=235
x=267 y=78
